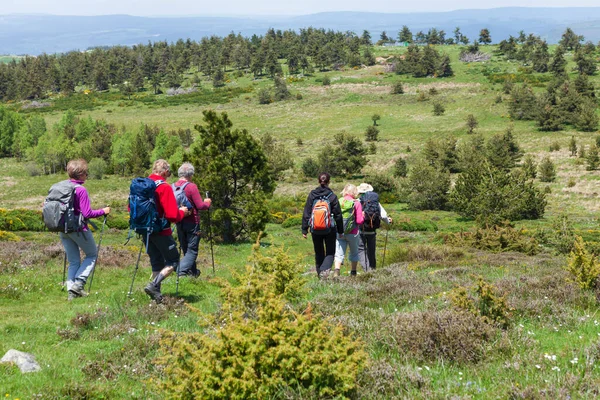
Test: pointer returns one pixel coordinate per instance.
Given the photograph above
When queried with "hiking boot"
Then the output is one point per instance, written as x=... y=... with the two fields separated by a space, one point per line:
x=324 y=274
x=76 y=291
x=154 y=292
x=336 y=273
x=353 y=273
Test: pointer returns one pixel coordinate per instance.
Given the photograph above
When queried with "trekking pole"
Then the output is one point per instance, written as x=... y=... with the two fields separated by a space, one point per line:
x=137 y=264
x=97 y=254
x=64 y=281
x=177 y=227
x=384 y=247
x=212 y=255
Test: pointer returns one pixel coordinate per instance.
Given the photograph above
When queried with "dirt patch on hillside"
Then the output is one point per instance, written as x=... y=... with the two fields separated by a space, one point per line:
x=8 y=181
x=369 y=88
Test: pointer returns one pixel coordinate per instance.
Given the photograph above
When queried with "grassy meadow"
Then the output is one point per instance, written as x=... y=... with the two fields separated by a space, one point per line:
x=104 y=345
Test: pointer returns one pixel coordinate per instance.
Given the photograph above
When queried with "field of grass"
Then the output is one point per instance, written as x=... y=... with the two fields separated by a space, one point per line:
x=103 y=346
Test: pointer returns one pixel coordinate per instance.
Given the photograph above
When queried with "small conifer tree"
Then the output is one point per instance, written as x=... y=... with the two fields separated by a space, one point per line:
x=398 y=88
x=573 y=146
x=583 y=266
x=372 y=134
x=438 y=108
x=547 y=171
x=592 y=158
x=471 y=123
x=400 y=168
x=529 y=167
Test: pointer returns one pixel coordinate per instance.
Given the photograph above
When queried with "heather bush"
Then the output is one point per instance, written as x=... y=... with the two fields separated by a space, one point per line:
x=424 y=252
x=447 y=336
x=583 y=267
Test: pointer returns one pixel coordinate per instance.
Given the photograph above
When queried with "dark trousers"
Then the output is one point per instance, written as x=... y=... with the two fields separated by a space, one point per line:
x=187 y=233
x=324 y=246
x=162 y=251
x=367 y=247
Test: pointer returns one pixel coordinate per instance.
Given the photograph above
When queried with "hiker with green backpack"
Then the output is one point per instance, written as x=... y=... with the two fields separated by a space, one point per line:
x=352 y=216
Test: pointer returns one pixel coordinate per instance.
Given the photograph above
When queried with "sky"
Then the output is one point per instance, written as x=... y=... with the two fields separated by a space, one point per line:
x=259 y=7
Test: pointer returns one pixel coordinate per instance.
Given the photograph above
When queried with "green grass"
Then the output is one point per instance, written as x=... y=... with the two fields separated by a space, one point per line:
x=550 y=315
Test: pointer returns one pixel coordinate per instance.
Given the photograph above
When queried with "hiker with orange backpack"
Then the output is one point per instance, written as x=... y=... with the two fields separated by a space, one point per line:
x=352 y=218
x=323 y=216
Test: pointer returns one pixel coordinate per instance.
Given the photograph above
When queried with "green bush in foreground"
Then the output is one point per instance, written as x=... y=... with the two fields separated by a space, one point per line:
x=257 y=346
x=21 y=219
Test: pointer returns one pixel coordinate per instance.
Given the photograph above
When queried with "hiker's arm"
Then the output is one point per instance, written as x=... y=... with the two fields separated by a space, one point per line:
x=196 y=199
x=384 y=215
x=336 y=210
x=306 y=215
x=84 y=204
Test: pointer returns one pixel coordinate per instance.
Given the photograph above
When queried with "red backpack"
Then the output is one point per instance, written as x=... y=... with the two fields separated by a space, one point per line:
x=321 y=219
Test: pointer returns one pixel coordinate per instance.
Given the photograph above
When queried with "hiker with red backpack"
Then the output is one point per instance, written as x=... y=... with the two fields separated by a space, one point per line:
x=374 y=213
x=160 y=245
x=352 y=218
x=67 y=210
x=323 y=216
x=188 y=230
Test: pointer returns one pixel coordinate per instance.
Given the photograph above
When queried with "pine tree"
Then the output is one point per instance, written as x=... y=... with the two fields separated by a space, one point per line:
x=573 y=146
x=547 y=171
x=471 y=123
x=592 y=159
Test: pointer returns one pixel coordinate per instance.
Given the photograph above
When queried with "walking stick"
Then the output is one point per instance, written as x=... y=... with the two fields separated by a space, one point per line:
x=384 y=247
x=137 y=264
x=177 y=227
x=97 y=254
x=212 y=255
x=64 y=281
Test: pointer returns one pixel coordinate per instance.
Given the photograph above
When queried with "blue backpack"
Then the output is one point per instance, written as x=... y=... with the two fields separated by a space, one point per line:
x=143 y=214
x=180 y=196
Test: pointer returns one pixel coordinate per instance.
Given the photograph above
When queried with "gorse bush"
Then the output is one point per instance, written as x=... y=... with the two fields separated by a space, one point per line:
x=21 y=219
x=257 y=345
x=583 y=266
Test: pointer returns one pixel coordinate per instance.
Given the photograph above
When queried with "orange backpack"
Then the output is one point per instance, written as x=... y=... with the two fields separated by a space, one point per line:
x=321 y=219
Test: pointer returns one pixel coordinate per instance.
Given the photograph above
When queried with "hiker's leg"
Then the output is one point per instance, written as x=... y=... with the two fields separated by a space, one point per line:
x=330 y=246
x=156 y=259
x=372 y=250
x=85 y=241
x=362 y=253
x=73 y=258
x=353 y=241
x=319 y=248
x=169 y=253
x=189 y=245
x=340 y=251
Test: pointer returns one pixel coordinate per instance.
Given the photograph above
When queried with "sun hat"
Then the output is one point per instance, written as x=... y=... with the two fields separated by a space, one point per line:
x=364 y=188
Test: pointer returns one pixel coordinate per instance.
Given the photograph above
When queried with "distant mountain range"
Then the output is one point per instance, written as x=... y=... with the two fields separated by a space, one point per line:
x=35 y=34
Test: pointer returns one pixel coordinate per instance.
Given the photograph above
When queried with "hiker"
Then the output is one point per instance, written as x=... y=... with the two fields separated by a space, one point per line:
x=352 y=216
x=161 y=247
x=374 y=213
x=188 y=230
x=322 y=214
x=81 y=239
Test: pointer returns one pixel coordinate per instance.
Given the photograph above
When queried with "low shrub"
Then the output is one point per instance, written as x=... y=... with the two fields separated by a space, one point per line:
x=448 y=336
x=97 y=168
x=483 y=302
x=424 y=252
x=496 y=239
x=118 y=220
x=20 y=219
x=9 y=237
x=293 y=220
x=258 y=345
x=583 y=267
x=414 y=225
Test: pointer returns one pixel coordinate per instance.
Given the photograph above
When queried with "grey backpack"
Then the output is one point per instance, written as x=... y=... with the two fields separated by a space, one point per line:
x=58 y=211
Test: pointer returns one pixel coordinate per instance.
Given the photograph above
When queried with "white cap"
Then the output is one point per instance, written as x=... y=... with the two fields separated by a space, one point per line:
x=364 y=188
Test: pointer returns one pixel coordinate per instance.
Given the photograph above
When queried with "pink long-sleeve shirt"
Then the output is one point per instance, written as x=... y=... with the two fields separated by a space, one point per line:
x=82 y=206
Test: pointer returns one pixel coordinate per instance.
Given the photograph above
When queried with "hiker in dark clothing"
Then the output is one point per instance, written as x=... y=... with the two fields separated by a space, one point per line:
x=368 y=243
x=324 y=240
x=188 y=230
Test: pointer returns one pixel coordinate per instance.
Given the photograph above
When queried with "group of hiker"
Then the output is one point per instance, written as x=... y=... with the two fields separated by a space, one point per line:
x=336 y=225
x=67 y=211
